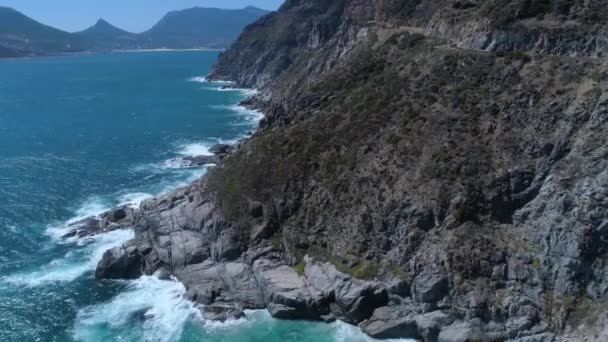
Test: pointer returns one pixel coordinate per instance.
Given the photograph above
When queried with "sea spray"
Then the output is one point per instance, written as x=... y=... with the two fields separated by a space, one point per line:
x=75 y=263
x=248 y=117
x=108 y=157
x=149 y=309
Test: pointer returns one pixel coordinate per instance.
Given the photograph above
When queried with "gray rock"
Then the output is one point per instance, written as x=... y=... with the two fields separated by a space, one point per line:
x=516 y=325
x=201 y=160
x=281 y=311
x=241 y=285
x=285 y=291
x=356 y=299
x=124 y=262
x=220 y=149
x=544 y=337
x=118 y=218
x=460 y=332
x=221 y=312
x=391 y=322
x=329 y=318
x=83 y=228
x=429 y=287
x=203 y=282
x=430 y=324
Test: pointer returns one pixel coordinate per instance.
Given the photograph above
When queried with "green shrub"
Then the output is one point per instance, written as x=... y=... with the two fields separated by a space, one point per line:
x=398 y=271
x=536 y=262
x=276 y=241
x=460 y=214
x=300 y=268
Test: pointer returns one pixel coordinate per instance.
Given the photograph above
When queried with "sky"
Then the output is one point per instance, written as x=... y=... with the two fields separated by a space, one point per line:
x=130 y=15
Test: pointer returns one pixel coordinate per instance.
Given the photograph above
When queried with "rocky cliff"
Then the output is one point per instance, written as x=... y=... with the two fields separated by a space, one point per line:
x=426 y=169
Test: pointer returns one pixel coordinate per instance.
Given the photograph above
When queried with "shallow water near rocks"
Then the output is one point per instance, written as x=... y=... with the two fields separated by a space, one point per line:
x=79 y=135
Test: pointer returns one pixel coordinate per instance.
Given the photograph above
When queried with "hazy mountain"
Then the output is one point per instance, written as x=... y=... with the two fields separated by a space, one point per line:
x=200 y=27
x=105 y=36
x=23 y=36
x=192 y=28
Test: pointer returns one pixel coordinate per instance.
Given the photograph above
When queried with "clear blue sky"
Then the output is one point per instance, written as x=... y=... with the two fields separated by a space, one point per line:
x=131 y=15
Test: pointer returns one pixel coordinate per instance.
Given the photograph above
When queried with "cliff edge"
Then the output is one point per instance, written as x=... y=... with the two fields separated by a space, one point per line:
x=426 y=169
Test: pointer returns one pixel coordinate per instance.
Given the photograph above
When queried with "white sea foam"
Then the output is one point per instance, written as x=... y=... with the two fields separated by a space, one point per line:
x=244 y=91
x=176 y=163
x=195 y=149
x=75 y=263
x=198 y=79
x=202 y=79
x=344 y=332
x=190 y=175
x=134 y=200
x=251 y=116
x=92 y=207
x=149 y=310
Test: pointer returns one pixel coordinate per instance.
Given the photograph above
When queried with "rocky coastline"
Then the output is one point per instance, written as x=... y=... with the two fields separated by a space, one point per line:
x=425 y=170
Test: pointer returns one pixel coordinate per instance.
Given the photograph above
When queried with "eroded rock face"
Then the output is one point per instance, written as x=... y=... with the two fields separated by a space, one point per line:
x=124 y=262
x=468 y=187
x=391 y=322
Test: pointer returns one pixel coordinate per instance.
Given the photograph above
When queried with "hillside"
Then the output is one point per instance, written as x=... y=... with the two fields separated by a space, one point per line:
x=105 y=36
x=200 y=27
x=23 y=36
x=426 y=169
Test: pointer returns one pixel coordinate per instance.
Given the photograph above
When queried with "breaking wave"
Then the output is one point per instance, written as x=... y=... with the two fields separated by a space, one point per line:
x=75 y=263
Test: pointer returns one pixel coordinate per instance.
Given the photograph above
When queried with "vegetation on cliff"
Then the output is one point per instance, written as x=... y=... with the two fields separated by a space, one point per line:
x=461 y=141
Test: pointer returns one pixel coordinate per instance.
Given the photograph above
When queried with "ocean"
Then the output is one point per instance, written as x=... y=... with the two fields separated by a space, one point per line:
x=79 y=135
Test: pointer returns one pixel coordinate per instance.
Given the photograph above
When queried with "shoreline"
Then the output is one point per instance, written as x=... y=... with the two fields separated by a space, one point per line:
x=162 y=49
x=265 y=281
x=85 y=53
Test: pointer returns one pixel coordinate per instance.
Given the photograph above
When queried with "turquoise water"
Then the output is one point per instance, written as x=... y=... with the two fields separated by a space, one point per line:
x=79 y=135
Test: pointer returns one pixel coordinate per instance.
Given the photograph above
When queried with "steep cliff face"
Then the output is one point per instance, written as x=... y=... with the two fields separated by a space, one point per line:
x=302 y=31
x=324 y=31
x=404 y=179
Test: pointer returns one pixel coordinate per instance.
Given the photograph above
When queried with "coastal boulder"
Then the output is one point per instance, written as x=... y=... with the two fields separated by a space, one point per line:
x=429 y=287
x=285 y=292
x=391 y=322
x=356 y=299
x=123 y=262
x=220 y=149
x=201 y=160
x=221 y=312
x=83 y=228
x=118 y=218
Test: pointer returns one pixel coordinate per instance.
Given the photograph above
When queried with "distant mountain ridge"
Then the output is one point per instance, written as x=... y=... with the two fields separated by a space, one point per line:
x=185 y=29
x=23 y=36
x=200 y=27
x=105 y=36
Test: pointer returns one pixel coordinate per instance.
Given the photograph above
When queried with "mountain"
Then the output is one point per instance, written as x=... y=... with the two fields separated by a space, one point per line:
x=426 y=169
x=105 y=36
x=23 y=36
x=187 y=29
x=200 y=27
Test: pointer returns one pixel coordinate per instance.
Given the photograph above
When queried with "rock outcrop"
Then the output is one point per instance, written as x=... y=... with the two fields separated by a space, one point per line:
x=426 y=169
x=118 y=218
